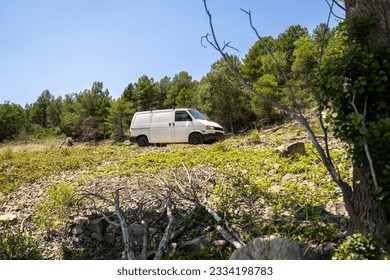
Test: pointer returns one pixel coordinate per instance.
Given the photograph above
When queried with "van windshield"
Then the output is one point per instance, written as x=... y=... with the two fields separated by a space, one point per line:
x=197 y=115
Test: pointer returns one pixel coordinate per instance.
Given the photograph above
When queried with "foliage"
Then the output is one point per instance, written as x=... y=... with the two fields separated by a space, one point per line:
x=181 y=92
x=145 y=93
x=6 y=154
x=224 y=99
x=261 y=108
x=52 y=208
x=18 y=247
x=207 y=253
x=359 y=247
x=120 y=118
x=73 y=254
x=12 y=119
x=353 y=89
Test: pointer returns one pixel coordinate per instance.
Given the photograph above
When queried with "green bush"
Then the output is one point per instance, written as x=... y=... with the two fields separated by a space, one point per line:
x=52 y=209
x=6 y=153
x=18 y=247
x=358 y=247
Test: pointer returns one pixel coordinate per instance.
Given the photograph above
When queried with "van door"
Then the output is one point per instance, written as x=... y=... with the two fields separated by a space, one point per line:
x=183 y=125
x=161 y=127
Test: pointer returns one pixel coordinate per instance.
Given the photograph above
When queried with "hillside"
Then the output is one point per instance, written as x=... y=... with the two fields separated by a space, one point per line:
x=61 y=203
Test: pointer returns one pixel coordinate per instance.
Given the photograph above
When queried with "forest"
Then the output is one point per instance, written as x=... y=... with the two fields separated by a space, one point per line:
x=92 y=114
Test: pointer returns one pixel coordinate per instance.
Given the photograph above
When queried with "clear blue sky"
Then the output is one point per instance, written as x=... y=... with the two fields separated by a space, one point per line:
x=66 y=45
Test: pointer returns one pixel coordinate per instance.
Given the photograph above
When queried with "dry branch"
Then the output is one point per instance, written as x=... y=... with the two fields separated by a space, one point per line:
x=168 y=230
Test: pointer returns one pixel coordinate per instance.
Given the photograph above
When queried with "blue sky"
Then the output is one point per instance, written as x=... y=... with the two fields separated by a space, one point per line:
x=66 y=45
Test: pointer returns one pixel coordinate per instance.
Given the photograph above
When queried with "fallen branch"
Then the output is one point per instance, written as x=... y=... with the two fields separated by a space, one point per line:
x=124 y=227
x=168 y=230
x=225 y=234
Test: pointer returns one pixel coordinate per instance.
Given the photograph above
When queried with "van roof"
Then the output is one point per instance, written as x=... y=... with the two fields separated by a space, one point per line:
x=166 y=110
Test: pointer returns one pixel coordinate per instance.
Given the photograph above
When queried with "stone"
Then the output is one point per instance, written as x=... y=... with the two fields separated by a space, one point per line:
x=78 y=230
x=136 y=232
x=8 y=217
x=81 y=220
x=69 y=141
x=110 y=238
x=97 y=228
x=127 y=143
x=195 y=245
x=273 y=248
x=295 y=148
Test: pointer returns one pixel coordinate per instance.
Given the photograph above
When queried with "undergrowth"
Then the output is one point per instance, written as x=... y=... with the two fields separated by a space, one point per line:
x=283 y=195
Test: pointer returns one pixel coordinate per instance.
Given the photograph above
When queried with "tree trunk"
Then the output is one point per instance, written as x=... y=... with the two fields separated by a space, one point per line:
x=379 y=8
x=373 y=216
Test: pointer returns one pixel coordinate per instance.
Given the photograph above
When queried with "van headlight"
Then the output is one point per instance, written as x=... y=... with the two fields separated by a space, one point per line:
x=209 y=127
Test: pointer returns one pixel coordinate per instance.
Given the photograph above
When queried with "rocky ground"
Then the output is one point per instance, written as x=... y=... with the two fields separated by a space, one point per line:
x=92 y=228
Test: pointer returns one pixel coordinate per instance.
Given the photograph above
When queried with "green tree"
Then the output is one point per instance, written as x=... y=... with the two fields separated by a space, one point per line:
x=285 y=43
x=40 y=109
x=353 y=87
x=164 y=86
x=119 y=118
x=253 y=69
x=223 y=97
x=145 y=92
x=183 y=86
x=128 y=93
x=261 y=108
x=305 y=57
x=71 y=115
x=96 y=103
x=354 y=91
x=12 y=120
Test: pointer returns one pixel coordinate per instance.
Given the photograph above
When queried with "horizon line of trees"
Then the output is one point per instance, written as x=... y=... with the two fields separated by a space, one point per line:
x=93 y=114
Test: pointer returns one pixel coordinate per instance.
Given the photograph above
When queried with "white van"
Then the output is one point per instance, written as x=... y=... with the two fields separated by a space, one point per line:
x=173 y=126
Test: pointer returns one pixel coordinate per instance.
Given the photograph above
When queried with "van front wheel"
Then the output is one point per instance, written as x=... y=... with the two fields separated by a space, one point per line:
x=196 y=139
x=142 y=141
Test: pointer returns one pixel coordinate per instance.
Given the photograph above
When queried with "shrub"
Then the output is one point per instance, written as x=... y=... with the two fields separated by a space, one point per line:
x=358 y=247
x=51 y=210
x=18 y=247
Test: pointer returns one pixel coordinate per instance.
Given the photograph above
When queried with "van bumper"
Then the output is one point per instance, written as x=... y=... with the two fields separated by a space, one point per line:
x=213 y=137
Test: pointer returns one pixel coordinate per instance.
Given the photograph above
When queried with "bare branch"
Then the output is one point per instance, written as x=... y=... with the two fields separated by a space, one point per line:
x=124 y=227
x=344 y=186
x=366 y=147
x=338 y=4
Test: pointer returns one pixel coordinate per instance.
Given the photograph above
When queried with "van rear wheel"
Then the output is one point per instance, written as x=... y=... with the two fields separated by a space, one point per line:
x=196 y=139
x=142 y=141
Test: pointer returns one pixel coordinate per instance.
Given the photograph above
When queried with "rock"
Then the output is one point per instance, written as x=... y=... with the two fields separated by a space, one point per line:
x=136 y=231
x=81 y=220
x=127 y=143
x=273 y=248
x=78 y=230
x=296 y=148
x=194 y=245
x=8 y=217
x=110 y=238
x=97 y=228
x=69 y=141
x=219 y=243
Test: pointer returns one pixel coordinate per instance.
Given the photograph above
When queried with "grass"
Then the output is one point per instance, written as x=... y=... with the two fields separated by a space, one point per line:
x=258 y=191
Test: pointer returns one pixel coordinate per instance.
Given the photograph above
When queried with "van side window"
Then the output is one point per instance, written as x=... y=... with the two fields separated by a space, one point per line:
x=182 y=116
